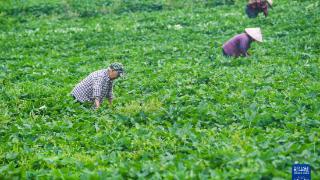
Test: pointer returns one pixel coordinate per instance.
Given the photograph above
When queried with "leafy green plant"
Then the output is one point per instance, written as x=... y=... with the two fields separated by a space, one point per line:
x=183 y=111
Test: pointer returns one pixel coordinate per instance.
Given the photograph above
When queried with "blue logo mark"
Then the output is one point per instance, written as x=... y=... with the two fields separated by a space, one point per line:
x=301 y=172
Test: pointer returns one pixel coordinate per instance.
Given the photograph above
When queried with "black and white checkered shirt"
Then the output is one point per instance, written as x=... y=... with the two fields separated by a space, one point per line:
x=96 y=85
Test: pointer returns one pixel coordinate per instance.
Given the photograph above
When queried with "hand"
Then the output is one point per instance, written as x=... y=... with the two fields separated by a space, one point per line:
x=96 y=103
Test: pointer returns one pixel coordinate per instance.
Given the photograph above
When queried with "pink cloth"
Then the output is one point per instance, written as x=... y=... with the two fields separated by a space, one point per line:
x=238 y=45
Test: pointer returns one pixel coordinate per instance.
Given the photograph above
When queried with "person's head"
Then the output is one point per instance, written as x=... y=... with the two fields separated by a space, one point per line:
x=115 y=70
x=254 y=33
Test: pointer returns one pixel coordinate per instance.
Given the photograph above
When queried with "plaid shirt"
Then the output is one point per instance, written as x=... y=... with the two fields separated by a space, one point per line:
x=95 y=86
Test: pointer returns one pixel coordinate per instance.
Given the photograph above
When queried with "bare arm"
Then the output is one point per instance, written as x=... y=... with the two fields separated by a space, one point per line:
x=96 y=103
x=110 y=93
x=97 y=84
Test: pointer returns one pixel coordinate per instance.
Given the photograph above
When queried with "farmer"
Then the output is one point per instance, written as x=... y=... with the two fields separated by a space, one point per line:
x=254 y=7
x=240 y=44
x=98 y=85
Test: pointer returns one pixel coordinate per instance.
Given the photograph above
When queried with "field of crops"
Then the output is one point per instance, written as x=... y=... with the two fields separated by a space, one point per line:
x=182 y=111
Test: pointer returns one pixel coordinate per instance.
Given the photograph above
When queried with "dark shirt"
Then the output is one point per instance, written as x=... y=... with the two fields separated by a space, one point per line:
x=254 y=8
x=238 y=45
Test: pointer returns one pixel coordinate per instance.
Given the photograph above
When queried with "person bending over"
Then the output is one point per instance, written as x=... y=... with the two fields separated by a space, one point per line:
x=98 y=85
x=240 y=44
x=254 y=7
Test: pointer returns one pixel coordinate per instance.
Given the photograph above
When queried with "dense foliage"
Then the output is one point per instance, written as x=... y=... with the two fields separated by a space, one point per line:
x=182 y=111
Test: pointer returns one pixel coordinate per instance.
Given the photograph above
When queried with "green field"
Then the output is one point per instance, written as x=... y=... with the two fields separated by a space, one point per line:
x=183 y=111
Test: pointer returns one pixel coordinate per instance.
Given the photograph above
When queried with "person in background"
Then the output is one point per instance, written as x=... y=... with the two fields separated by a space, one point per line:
x=98 y=85
x=240 y=44
x=254 y=7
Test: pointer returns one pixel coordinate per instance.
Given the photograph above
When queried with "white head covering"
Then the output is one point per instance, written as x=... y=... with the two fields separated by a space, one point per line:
x=254 y=33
